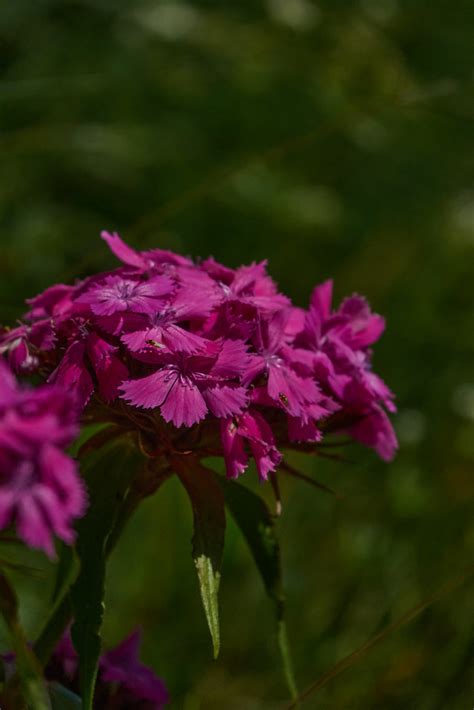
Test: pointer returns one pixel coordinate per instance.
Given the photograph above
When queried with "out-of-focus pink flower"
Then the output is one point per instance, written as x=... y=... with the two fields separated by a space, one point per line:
x=122 y=666
x=123 y=681
x=40 y=490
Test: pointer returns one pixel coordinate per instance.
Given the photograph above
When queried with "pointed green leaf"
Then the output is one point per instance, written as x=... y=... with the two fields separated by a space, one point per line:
x=255 y=521
x=207 y=502
x=108 y=473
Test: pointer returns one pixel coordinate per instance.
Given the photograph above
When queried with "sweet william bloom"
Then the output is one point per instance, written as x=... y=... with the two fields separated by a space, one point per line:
x=187 y=387
x=145 y=261
x=87 y=356
x=216 y=350
x=247 y=285
x=117 y=294
x=293 y=392
x=55 y=301
x=40 y=490
x=163 y=329
x=73 y=375
x=246 y=294
x=249 y=428
x=375 y=430
x=20 y=345
x=337 y=344
x=15 y=344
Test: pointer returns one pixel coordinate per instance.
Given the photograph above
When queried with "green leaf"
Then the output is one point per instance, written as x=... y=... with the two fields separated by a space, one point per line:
x=26 y=685
x=62 y=698
x=256 y=523
x=53 y=629
x=91 y=439
x=108 y=474
x=207 y=503
x=147 y=480
x=66 y=572
x=67 y=566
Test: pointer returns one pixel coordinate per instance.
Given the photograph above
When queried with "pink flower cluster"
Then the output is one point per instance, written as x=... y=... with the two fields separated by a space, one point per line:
x=123 y=681
x=200 y=341
x=40 y=490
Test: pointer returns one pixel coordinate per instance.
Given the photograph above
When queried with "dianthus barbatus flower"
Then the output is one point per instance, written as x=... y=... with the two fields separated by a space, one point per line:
x=337 y=343
x=187 y=387
x=204 y=345
x=249 y=428
x=117 y=294
x=40 y=490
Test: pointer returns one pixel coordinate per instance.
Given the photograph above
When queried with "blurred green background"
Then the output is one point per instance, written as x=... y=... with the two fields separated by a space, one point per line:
x=335 y=139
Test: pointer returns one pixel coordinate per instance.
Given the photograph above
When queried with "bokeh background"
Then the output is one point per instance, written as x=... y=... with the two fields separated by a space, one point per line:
x=335 y=139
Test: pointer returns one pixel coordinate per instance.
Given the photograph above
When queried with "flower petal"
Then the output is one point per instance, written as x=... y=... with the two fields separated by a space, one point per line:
x=185 y=405
x=224 y=401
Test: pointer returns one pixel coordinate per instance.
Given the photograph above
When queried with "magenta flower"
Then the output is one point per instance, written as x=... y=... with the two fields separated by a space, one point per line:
x=250 y=428
x=336 y=346
x=248 y=285
x=55 y=301
x=73 y=375
x=90 y=359
x=20 y=344
x=40 y=490
x=163 y=329
x=295 y=393
x=142 y=261
x=187 y=387
x=117 y=294
x=202 y=343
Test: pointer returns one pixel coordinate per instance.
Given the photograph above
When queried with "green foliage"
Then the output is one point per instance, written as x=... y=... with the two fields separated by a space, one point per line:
x=108 y=473
x=257 y=525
